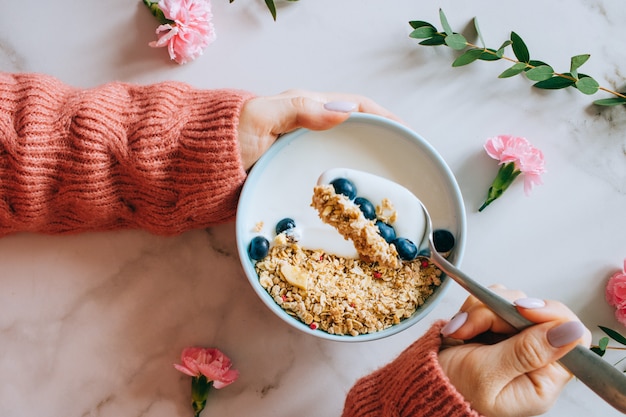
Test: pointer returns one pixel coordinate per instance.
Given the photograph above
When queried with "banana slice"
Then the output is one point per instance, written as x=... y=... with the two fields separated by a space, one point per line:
x=294 y=275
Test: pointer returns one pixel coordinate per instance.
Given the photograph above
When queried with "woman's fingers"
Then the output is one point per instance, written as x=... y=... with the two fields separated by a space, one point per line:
x=475 y=318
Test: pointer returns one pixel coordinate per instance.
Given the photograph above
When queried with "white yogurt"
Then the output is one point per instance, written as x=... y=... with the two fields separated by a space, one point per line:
x=410 y=222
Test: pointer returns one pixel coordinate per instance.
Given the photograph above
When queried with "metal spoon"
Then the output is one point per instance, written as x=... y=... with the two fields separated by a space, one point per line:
x=603 y=378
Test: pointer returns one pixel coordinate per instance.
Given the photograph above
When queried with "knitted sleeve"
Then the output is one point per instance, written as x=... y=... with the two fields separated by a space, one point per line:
x=413 y=385
x=161 y=157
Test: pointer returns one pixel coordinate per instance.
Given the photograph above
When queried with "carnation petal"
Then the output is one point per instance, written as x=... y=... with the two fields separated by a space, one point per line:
x=226 y=379
x=185 y=370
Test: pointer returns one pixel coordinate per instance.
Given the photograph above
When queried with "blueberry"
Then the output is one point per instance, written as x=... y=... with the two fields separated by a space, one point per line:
x=386 y=231
x=444 y=240
x=344 y=186
x=285 y=224
x=259 y=247
x=406 y=249
x=368 y=209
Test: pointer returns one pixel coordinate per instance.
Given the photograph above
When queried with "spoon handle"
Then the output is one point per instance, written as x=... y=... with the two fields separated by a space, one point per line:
x=600 y=376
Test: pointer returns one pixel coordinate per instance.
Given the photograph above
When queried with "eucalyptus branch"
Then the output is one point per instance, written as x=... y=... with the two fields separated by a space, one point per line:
x=603 y=344
x=544 y=75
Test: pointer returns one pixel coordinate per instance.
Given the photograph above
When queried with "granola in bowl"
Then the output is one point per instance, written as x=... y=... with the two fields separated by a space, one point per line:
x=341 y=295
x=345 y=296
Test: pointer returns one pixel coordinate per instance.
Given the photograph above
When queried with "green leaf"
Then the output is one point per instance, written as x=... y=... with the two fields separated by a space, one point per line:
x=444 y=23
x=554 y=83
x=489 y=55
x=514 y=70
x=415 y=24
x=535 y=63
x=434 y=41
x=468 y=57
x=598 y=351
x=519 y=48
x=540 y=73
x=480 y=35
x=587 y=85
x=270 y=5
x=456 y=41
x=614 y=335
x=616 y=101
x=603 y=343
x=500 y=52
x=423 y=32
x=577 y=61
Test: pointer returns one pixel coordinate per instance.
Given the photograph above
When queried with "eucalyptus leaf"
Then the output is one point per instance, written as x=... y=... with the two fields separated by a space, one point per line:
x=535 y=63
x=519 y=48
x=603 y=343
x=423 y=32
x=456 y=41
x=444 y=23
x=468 y=57
x=480 y=35
x=270 y=5
x=540 y=73
x=577 y=61
x=415 y=24
x=554 y=83
x=607 y=102
x=490 y=55
x=614 y=335
x=598 y=351
x=434 y=41
x=500 y=52
x=587 y=85
x=514 y=70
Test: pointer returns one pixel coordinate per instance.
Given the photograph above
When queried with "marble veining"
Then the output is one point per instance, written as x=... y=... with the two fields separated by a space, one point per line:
x=91 y=324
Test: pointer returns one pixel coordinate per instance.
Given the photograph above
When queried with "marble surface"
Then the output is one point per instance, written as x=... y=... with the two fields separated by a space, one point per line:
x=90 y=324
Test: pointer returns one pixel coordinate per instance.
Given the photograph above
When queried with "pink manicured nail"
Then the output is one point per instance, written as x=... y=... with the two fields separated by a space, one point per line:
x=565 y=333
x=454 y=324
x=530 y=303
x=340 y=106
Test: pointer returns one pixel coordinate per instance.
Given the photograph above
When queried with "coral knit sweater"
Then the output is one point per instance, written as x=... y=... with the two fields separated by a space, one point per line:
x=412 y=385
x=163 y=158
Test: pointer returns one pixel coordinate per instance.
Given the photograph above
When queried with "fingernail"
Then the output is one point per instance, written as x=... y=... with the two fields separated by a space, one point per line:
x=565 y=333
x=454 y=324
x=530 y=303
x=340 y=106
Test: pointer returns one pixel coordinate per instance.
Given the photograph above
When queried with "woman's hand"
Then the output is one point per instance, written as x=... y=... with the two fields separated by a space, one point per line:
x=517 y=376
x=263 y=119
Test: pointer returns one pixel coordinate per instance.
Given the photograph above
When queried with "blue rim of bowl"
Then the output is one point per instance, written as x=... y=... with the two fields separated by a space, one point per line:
x=456 y=255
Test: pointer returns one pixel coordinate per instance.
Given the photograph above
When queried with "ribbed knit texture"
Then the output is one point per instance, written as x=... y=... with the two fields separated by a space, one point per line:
x=161 y=157
x=413 y=385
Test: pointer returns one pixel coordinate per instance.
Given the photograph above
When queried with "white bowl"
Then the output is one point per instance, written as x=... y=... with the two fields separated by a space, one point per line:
x=281 y=185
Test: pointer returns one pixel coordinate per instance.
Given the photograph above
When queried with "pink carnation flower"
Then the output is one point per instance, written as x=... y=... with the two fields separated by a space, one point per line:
x=616 y=294
x=208 y=367
x=211 y=363
x=526 y=158
x=516 y=156
x=186 y=30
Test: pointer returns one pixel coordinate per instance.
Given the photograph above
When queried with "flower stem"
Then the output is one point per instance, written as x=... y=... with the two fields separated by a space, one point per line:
x=506 y=175
x=200 y=387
